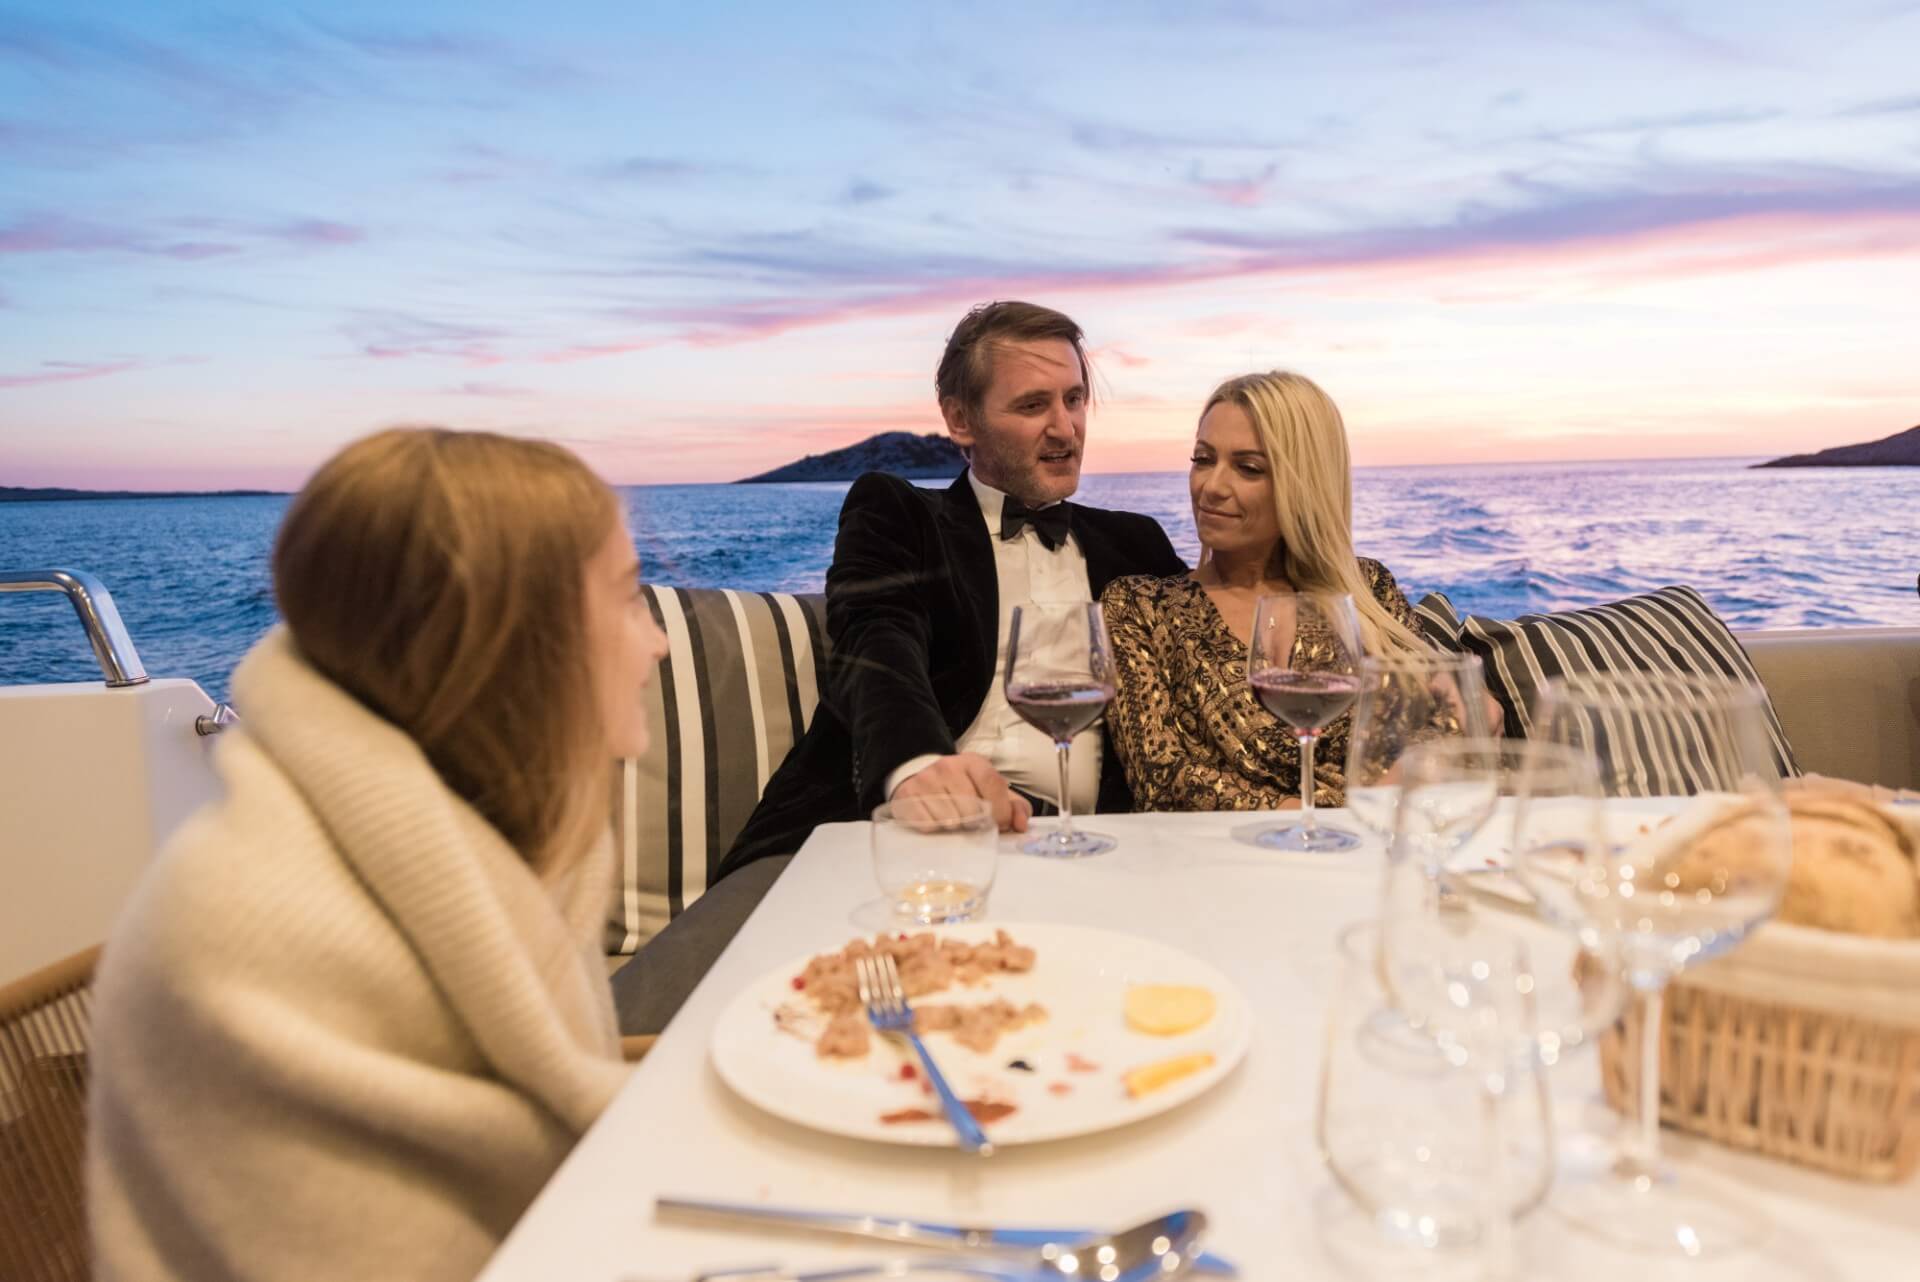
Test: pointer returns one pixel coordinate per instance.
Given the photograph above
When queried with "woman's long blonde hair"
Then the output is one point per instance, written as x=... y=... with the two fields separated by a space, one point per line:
x=439 y=578
x=1306 y=445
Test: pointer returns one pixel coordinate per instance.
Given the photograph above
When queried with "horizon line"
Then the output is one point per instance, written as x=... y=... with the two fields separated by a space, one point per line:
x=268 y=492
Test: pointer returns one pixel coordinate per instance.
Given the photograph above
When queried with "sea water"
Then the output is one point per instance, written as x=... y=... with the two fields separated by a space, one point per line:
x=1767 y=548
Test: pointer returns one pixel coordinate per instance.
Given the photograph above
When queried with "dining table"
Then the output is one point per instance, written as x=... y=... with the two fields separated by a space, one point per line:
x=1243 y=1151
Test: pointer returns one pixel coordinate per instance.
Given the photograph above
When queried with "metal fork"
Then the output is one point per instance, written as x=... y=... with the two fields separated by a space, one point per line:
x=887 y=1008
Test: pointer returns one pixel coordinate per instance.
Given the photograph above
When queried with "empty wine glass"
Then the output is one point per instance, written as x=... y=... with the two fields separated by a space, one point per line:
x=1447 y=789
x=1453 y=788
x=1397 y=1121
x=1472 y=992
x=1060 y=679
x=1664 y=894
x=1304 y=665
x=1406 y=700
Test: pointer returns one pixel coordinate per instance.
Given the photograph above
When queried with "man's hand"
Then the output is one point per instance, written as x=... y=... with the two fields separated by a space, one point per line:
x=968 y=774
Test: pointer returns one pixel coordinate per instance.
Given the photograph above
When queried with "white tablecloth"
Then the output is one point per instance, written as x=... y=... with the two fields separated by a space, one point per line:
x=1243 y=1152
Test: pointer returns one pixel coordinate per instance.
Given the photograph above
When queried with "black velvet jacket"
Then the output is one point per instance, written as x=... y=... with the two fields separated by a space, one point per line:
x=913 y=608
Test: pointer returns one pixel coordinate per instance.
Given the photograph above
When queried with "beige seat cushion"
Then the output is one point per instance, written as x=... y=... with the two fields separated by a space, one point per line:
x=1848 y=698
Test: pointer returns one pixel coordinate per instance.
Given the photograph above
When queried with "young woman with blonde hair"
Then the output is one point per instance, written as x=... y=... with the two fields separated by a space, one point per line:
x=355 y=1014
x=1272 y=494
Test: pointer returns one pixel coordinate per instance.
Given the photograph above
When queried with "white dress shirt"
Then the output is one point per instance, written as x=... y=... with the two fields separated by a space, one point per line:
x=1029 y=572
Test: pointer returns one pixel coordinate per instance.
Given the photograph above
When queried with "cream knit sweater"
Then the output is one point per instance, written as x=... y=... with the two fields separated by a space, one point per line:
x=342 y=1030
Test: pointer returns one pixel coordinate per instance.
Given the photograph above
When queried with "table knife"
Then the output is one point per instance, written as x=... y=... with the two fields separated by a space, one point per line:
x=894 y=1229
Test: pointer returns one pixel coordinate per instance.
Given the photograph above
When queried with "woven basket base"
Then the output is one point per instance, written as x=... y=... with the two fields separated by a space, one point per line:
x=1827 y=1091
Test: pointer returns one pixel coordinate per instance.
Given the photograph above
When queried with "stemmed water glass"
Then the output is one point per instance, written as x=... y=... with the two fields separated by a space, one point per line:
x=1407 y=700
x=1396 y=1119
x=1303 y=663
x=1060 y=679
x=1662 y=893
x=1542 y=793
x=1498 y=990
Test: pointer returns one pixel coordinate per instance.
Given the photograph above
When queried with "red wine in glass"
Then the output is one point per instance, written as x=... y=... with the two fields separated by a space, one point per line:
x=1307 y=701
x=1059 y=680
x=1059 y=709
x=1303 y=664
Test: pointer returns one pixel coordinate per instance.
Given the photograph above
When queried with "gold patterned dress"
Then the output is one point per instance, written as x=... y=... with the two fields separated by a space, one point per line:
x=1184 y=722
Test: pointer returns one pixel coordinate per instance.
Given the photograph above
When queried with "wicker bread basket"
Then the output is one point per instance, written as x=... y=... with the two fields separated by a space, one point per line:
x=1802 y=1044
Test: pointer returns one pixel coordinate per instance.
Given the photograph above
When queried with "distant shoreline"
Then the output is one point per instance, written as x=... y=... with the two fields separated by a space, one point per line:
x=67 y=494
x=61 y=494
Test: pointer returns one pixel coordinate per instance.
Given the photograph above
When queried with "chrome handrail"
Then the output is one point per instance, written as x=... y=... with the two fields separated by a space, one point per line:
x=217 y=721
x=119 y=661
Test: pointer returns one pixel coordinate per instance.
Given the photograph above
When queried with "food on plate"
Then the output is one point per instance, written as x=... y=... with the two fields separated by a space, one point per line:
x=1167 y=1010
x=1148 y=1078
x=983 y=1110
x=1854 y=867
x=928 y=964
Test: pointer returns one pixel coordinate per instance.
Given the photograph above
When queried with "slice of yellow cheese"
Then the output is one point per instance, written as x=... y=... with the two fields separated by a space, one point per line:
x=1166 y=1010
x=1151 y=1077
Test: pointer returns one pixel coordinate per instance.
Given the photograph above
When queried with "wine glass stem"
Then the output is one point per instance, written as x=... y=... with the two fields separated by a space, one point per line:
x=1496 y=1225
x=1645 y=1157
x=1306 y=781
x=1066 y=792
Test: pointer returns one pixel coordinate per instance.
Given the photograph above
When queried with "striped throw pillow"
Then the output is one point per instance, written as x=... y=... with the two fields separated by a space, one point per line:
x=1671 y=631
x=737 y=688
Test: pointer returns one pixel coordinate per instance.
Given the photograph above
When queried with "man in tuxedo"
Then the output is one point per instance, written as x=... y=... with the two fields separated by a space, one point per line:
x=923 y=585
x=919 y=596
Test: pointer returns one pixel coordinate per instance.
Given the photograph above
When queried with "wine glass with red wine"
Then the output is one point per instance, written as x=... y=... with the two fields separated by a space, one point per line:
x=1060 y=679
x=1304 y=665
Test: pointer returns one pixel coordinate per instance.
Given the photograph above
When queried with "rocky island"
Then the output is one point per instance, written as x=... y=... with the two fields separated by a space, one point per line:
x=1902 y=449
x=931 y=457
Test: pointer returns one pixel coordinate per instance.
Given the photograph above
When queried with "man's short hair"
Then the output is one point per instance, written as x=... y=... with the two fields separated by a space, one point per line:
x=966 y=367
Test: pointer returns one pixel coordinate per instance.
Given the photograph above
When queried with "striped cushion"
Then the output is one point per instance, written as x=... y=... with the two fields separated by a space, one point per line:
x=738 y=685
x=1671 y=631
x=1437 y=624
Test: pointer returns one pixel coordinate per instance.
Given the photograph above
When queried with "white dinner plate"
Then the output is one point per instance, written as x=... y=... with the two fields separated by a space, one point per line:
x=1080 y=975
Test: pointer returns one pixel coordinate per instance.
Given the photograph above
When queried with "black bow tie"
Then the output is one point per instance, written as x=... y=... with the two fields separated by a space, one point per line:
x=1050 y=523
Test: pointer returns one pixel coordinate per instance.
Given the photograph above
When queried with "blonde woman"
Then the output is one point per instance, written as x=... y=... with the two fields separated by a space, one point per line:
x=355 y=1014
x=1272 y=499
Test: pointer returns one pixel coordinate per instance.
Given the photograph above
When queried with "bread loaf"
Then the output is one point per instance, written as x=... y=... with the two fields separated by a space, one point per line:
x=1854 y=869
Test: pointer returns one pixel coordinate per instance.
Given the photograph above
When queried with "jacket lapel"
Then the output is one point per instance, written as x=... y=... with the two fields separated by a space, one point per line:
x=1103 y=562
x=976 y=577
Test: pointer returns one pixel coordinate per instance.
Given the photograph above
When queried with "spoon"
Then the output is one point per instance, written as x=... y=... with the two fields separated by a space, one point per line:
x=1163 y=1247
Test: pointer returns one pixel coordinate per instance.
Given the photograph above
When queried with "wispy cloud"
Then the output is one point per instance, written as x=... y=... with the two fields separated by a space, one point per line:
x=491 y=391
x=391 y=335
x=57 y=234
x=67 y=372
x=317 y=231
x=185 y=238
x=648 y=169
x=864 y=192
x=1116 y=354
x=78 y=47
x=797 y=280
x=1116 y=137
x=1569 y=217
x=1243 y=191
x=1704 y=118
x=463 y=50
x=1883 y=107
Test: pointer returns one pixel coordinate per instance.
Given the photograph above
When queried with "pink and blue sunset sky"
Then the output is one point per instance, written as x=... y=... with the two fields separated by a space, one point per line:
x=695 y=243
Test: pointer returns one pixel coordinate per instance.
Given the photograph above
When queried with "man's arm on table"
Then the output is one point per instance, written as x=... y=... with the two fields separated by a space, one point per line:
x=878 y=681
